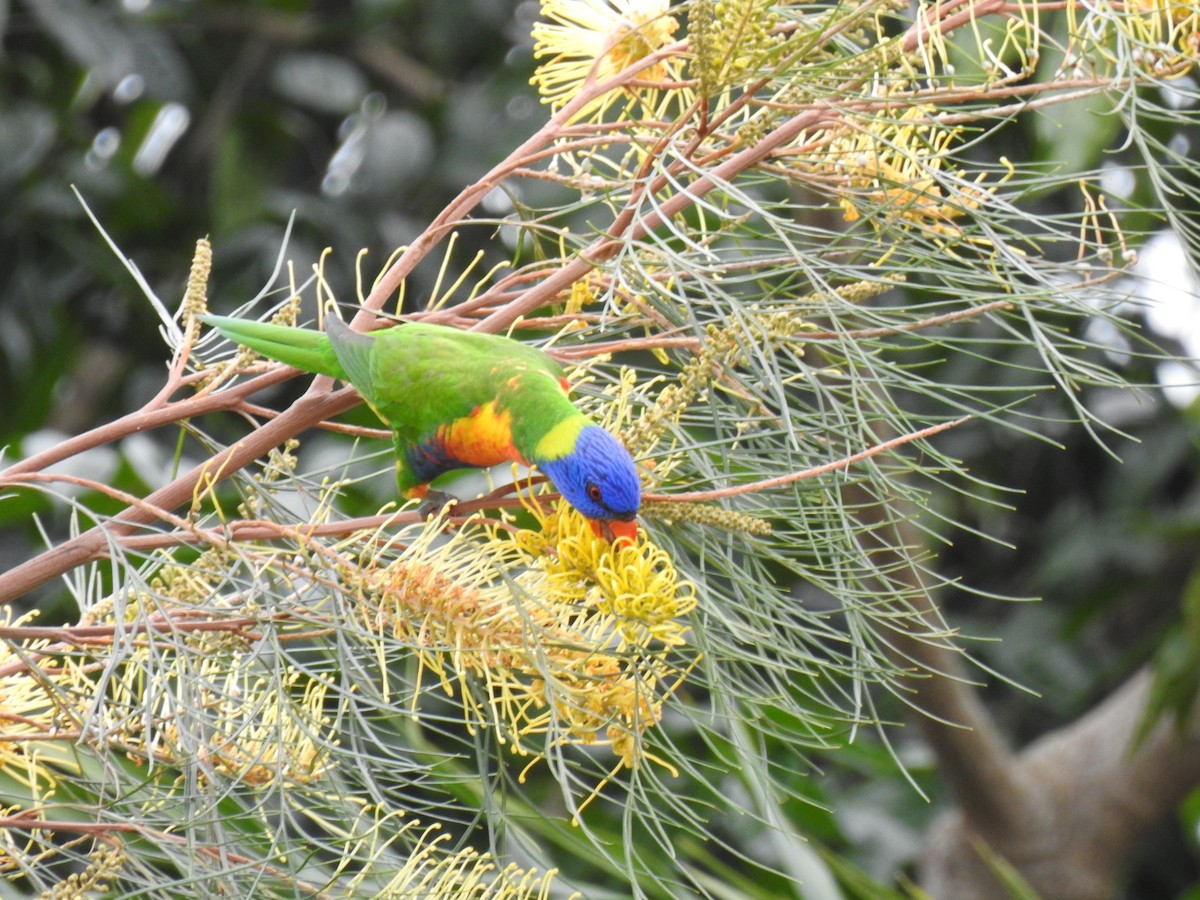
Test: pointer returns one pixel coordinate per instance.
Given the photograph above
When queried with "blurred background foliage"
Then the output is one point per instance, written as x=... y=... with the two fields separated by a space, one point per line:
x=182 y=118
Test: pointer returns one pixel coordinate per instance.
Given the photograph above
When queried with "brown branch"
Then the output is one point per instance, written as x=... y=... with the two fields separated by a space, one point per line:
x=144 y=419
x=80 y=635
x=684 y=342
x=780 y=480
x=69 y=637
x=265 y=530
x=468 y=199
x=28 y=821
x=892 y=330
x=364 y=431
x=93 y=544
x=131 y=501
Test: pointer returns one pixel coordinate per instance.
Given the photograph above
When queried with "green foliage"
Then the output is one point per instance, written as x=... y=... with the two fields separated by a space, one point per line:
x=1177 y=665
x=278 y=684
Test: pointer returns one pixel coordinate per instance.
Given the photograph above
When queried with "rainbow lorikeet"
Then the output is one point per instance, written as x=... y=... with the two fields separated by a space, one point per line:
x=458 y=399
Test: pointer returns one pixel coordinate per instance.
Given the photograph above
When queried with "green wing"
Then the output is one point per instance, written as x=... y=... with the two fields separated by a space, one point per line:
x=352 y=350
x=419 y=377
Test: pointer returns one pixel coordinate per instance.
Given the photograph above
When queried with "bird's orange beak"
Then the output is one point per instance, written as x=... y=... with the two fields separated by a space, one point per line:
x=615 y=530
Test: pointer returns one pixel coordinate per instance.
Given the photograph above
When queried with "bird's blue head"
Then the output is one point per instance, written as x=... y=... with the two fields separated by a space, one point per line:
x=599 y=479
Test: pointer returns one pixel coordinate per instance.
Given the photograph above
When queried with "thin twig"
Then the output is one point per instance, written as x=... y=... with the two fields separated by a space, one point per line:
x=843 y=463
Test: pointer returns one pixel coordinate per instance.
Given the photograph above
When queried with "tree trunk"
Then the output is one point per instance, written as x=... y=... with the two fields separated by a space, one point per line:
x=1088 y=794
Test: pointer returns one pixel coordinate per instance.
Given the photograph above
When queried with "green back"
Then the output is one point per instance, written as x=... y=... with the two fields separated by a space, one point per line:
x=418 y=377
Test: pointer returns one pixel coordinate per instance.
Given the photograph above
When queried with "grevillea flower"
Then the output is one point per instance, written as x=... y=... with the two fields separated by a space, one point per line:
x=555 y=634
x=902 y=170
x=1166 y=33
x=593 y=40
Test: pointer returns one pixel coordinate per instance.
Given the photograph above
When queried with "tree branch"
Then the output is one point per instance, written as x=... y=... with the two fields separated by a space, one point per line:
x=1091 y=792
x=94 y=543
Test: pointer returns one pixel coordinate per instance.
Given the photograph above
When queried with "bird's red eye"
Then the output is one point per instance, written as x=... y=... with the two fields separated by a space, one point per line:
x=593 y=492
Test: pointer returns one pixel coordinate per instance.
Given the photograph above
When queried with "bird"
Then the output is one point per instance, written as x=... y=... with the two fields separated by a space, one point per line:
x=462 y=399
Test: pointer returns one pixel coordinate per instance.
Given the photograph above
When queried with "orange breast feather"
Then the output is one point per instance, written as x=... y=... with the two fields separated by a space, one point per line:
x=484 y=438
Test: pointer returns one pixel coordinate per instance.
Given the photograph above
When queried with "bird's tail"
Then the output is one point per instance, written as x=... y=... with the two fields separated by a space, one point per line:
x=300 y=347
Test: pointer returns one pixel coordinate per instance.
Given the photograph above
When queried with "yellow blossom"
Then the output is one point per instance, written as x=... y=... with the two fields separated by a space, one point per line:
x=636 y=586
x=104 y=867
x=593 y=40
x=32 y=752
x=731 y=40
x=899 y=167
x=434 y=869
x=1166 y=31
x=551 y=632
x=212 y=705
x=195 y=298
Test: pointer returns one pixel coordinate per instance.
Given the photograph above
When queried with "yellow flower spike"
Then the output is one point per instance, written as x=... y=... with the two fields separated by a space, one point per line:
x=636 y=586
x=97 y=878
x=898 y=167
x=545 y=636
x=731 y=40
x=432 y=869
x=707 y=515
x=600 y=38
x=195 y=297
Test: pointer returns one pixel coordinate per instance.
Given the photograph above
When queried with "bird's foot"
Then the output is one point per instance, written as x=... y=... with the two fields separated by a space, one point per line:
x=434 y=502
